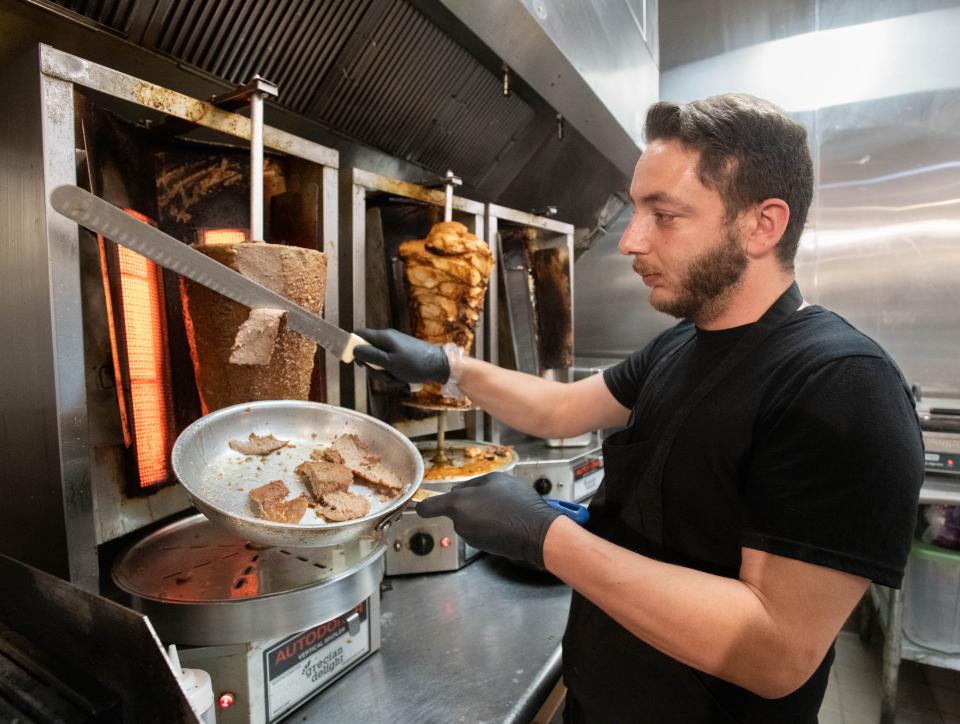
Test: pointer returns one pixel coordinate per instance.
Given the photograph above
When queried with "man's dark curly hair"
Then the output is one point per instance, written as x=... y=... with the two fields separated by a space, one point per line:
x=750 y=150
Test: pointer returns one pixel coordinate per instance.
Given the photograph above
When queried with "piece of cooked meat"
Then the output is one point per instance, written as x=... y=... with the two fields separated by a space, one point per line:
x=258 y=445
x=473 y=453
x=321 y=477
x=341 y=505
x=366 y=465
x=285 y=511
x=274 y=490
x=328 y=454
x=268 y=503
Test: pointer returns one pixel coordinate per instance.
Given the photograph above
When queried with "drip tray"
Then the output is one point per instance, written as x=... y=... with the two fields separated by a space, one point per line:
x=203 y=586
x=460 y=466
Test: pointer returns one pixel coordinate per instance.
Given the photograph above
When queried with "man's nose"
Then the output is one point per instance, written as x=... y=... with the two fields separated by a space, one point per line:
x=635 y=239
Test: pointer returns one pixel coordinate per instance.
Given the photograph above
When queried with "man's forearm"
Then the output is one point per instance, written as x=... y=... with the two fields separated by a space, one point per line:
x=714 y=624
x=522 y=401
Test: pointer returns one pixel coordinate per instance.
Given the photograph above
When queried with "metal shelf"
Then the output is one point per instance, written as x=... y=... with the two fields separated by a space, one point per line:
x=910 y=650
x=936 y=489
x=940 y=489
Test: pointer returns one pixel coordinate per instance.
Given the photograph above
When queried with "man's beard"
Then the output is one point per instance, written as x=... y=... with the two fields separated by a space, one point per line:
x=709 y=281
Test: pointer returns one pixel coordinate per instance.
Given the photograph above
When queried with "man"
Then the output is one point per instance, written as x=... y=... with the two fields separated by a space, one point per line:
x=770 y=463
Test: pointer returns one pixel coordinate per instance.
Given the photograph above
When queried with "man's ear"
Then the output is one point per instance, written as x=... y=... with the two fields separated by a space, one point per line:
x=765 y=224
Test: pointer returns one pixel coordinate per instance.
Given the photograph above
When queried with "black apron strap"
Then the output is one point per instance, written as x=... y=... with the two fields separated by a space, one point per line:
x=647 y=504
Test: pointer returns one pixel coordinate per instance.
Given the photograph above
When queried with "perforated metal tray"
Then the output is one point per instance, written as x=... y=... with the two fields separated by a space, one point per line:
x=202 y=585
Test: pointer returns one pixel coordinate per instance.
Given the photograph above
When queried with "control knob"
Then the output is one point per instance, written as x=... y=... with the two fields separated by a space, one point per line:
x=542 y=485
x=421 y=543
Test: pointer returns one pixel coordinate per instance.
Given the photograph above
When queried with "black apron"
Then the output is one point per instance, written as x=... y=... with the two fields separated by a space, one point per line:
x=613 y=676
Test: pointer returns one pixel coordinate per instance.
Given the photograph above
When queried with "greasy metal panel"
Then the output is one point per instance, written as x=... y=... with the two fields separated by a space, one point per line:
x=66 y=625
x=521 y=36
x=412 y=90
x=695 y=29
x=127 y=87
x=609 y=43
x=838 y=13
x=380 y=72
x=886 y=231
x=29 y=438
x=570 y=175
x=613 y=316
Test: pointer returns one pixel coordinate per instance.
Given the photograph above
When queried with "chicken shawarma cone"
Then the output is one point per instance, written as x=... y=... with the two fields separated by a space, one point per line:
x=447 y=276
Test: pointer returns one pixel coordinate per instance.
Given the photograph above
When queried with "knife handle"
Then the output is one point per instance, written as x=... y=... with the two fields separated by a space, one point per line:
x=347 y=355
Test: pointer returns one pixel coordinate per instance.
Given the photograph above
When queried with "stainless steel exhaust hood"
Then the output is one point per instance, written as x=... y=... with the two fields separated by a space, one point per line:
x=422 y=80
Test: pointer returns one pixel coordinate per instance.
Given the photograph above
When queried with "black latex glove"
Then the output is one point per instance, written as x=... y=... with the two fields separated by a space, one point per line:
x=497 y=513
x=406 y=358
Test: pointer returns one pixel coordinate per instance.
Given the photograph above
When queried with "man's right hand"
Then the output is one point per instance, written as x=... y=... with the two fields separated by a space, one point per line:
x=406 y=358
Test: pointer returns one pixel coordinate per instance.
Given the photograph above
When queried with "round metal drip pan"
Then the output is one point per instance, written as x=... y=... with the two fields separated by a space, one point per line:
x=462 y=468
x=202 y=585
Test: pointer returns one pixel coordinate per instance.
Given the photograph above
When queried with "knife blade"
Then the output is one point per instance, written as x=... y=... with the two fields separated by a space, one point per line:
x=104 y=218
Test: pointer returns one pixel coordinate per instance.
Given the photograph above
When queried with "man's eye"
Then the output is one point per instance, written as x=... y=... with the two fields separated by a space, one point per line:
x=662 y=218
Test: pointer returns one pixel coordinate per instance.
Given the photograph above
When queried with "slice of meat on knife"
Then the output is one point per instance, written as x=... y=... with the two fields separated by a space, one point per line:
x=268 y=502
x=341 y=505
x=321 y=477
x=366 y=465
x=258 y=445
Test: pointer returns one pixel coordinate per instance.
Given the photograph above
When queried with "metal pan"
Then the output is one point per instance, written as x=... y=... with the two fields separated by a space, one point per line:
x=219 y=480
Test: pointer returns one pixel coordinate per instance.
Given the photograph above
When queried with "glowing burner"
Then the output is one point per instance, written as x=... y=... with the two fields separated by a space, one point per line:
x=138 y=339
x=221 y=236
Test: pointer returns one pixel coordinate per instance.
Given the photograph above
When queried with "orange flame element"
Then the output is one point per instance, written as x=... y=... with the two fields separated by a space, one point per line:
x=150 y=406
x=223 y=236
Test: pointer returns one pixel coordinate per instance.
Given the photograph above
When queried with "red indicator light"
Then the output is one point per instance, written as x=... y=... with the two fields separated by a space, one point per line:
x=949 y=462
x=444 y=542
x=227 y=700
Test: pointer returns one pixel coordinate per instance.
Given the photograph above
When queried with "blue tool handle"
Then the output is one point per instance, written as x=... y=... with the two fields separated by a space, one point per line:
x=576 y=512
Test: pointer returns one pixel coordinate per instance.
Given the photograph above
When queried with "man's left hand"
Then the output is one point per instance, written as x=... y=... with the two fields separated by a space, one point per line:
x=497 y=513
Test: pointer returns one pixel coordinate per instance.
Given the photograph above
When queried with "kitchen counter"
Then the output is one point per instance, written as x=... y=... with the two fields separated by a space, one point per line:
x=477 y=645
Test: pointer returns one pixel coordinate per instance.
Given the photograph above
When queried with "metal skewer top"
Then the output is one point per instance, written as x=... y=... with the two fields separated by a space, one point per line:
x=449 y=181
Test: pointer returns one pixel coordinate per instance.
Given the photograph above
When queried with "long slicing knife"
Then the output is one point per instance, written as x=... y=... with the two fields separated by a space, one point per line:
x=105 y=218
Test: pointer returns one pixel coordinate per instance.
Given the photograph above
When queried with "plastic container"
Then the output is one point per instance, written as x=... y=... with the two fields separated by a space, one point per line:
x=931 y=598
x=197 y=686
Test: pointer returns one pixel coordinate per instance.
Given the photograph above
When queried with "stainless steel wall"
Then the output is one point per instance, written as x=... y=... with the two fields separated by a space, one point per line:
x=877 y=85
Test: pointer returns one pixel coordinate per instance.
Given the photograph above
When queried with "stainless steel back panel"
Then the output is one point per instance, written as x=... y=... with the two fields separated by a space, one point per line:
x=877 y=86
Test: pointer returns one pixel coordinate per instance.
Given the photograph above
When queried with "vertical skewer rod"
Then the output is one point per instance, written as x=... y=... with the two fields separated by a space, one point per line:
x=258 y=89
x=448 y=204
x=256 y=166
x=450 y=180
x=440 y=457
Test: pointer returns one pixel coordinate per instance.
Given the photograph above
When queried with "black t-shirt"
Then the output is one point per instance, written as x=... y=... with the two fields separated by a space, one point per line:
x=810 y=449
